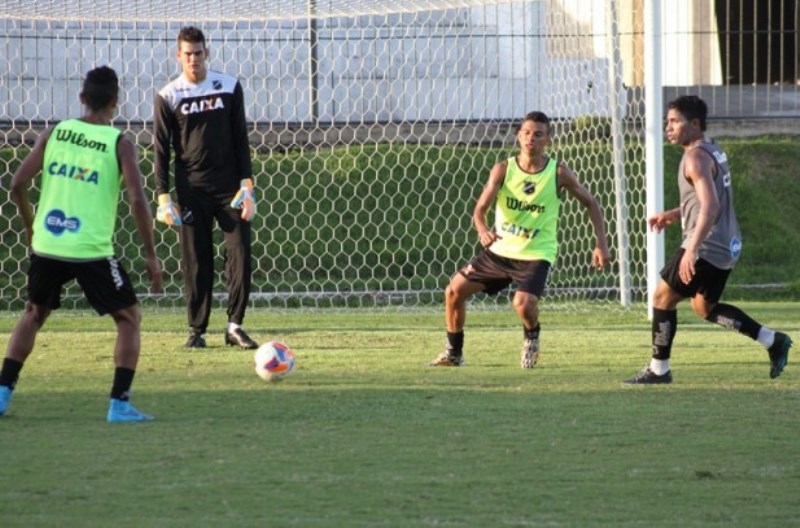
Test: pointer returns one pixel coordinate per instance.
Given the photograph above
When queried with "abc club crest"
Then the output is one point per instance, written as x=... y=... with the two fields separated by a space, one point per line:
x=529 y=187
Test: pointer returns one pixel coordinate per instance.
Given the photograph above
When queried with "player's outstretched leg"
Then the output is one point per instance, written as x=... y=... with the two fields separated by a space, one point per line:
x=123 y=411
x=779 y=354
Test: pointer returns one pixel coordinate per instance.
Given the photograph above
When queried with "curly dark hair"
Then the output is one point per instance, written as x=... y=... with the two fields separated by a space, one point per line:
x=690 y=107
x=100 y=88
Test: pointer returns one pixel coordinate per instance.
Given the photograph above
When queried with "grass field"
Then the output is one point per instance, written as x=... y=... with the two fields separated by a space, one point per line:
x=364 y=434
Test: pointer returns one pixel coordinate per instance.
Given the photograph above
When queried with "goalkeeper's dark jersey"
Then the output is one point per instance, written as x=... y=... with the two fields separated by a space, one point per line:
x=205 y=125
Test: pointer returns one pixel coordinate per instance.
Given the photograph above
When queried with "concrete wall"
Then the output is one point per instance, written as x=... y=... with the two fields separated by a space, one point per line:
x=491 y=62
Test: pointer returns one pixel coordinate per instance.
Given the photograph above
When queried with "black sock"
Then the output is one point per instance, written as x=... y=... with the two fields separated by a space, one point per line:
x=455 y=343
x=123 y=378
x=10 y=372
x=532 y=334
x=665 y=323
x=732 y=318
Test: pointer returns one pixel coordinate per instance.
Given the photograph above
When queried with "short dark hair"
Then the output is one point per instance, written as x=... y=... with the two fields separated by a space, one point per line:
x=536 y=117
x=690 y=107
x=191 y=34
x=100 y=88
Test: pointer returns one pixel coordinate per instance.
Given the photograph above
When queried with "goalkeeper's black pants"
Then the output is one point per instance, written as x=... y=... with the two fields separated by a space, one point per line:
x=201 y=213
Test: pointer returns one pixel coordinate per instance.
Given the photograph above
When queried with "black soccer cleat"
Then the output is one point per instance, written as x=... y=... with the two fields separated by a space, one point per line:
x=196 y=340
x=779 y=354
x=648 y=377
x=238 y=337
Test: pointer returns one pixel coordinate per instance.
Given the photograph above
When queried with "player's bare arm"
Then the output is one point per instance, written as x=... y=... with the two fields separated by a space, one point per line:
x=568 y=181
x=21 y=181
x=662 y=219
x=132 y=176
x=699 y=171
x=487 y=198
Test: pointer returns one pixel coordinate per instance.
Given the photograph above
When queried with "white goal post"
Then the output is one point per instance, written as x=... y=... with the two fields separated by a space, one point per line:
x=374 y=124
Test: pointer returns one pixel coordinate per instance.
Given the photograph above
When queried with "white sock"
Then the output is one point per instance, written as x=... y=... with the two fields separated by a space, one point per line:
x=233 y=326
x=659 y=366
x=766 y=337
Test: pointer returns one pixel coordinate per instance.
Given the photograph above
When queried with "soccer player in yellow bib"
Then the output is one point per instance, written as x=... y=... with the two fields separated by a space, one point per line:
x=525 y=191
x=83 y=163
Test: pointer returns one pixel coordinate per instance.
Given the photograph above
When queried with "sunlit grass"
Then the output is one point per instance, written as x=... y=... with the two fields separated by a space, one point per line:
x=365 y=434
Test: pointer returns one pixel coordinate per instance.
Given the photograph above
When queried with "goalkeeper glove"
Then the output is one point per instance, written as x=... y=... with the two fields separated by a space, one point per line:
x=168 y=212
x=245 y=200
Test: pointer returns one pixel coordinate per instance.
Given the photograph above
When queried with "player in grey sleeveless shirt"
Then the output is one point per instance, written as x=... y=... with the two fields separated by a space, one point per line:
x=722 y=246
x=711 y=247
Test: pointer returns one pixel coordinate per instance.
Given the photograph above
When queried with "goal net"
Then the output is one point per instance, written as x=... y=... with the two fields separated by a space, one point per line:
x=373 y=127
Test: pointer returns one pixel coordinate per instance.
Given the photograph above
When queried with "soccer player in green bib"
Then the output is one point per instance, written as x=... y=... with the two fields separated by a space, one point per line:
x=83 y=163
x=526 y=193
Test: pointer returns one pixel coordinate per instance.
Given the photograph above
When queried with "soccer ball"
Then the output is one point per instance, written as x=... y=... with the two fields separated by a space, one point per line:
x=274 y=361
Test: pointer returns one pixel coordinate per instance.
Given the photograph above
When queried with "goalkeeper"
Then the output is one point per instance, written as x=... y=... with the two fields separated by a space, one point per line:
x=200 y=115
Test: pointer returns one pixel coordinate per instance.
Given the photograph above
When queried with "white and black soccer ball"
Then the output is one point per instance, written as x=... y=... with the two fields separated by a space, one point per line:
x=274 y=361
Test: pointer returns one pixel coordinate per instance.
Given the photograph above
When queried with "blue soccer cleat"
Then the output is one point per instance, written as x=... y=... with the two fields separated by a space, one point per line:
x=123 y=411
x=5 y=398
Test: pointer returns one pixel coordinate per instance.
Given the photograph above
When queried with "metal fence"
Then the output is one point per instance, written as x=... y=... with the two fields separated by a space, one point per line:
x=456 y=77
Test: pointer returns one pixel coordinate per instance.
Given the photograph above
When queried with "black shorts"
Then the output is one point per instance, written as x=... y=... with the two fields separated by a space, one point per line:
x=496 y=272
x=708 y=280
x=104 y=282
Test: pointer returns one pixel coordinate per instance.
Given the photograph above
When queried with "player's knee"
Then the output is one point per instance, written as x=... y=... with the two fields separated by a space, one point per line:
x=701 y=307
x=658 y=299
x=130 y=317
x=37 y=314
x=450 y=293
x=665 y=299
x=454 y=294
x=525 y=303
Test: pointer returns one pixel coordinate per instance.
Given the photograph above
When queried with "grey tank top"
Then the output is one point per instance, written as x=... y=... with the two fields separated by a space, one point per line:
x=723 y=244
